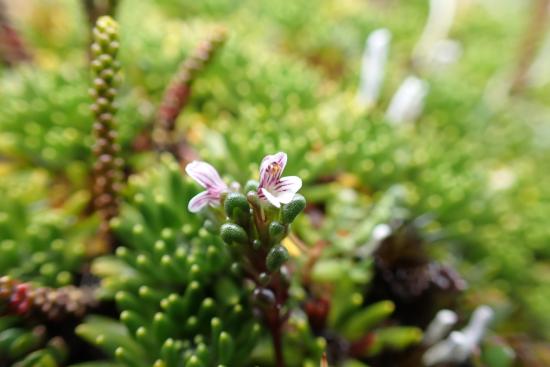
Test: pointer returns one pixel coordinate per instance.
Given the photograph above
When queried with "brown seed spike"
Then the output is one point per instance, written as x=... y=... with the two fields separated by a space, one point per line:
x=48 y=303
x=12 y=48
x=178 y=91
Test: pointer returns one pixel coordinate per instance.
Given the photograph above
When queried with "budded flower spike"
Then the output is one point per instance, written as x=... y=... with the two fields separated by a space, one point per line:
x=95 y=9
x=256 y=221
x=108 y=164
x=178 y=91
x=53 y=304
x=12 y=48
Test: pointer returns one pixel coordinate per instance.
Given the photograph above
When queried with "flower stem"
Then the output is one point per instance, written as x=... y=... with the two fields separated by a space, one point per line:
x=276 y=333
x=277 y=321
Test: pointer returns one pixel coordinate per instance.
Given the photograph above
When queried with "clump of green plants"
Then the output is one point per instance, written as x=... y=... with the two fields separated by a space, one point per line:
x=270 y=184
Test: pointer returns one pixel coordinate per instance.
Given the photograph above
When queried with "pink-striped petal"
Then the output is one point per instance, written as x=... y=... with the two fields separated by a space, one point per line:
x=271 y=168
x=286 y=188
x=271 y=198
x=205 y=175
x=199 y=201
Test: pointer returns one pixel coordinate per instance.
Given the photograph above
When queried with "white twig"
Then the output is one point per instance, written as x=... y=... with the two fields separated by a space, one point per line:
x=460 y=344
x=408 y=102
x=373 y=66
x=439 y=327
x=438 y=25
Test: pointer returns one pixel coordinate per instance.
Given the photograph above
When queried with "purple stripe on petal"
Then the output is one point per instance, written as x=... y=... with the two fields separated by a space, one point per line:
x=289 y=183
x=205 y=175
x=272 y=187
x=269 y=178
x=204 y=179
x=282 y=185
x=263 y=169
x=281 y=159
x=199 y=201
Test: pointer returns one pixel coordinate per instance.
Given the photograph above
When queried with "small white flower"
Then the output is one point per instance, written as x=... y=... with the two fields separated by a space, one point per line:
x=274 y=188
x=207 y=177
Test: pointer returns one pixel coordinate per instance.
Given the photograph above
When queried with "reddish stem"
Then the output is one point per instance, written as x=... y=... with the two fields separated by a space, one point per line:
x=278 y=345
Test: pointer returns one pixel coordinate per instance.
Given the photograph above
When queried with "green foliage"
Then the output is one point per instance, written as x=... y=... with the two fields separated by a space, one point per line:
x=244 y=282
x=54 y=129
x=170 y=281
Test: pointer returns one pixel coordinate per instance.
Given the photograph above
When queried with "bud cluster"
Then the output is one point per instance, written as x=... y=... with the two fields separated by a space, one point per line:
x=12 y=48
x=54 y=304
x=261 y=229
x=254 y=233
x=255 y=222
x=178 y=91
x=108 y=164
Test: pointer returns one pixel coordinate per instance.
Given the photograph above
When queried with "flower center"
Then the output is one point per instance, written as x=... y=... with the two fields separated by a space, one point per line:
x=274 y=168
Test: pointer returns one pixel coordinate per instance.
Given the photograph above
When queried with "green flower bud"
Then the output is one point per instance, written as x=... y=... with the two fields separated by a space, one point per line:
x=276 y=257
x=277 y=231
x=251 y=185
x=290 y=211
x=233 y=233
x=237 y=208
